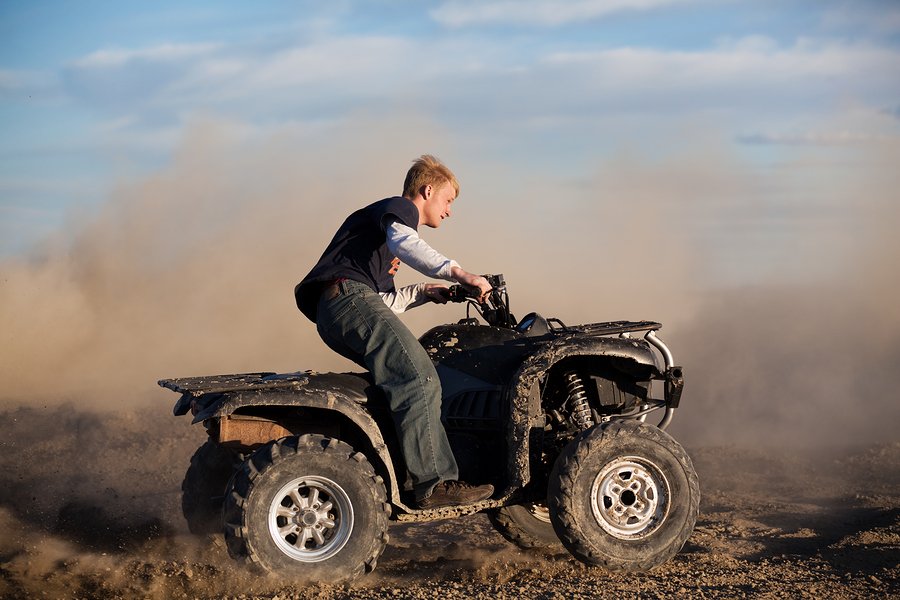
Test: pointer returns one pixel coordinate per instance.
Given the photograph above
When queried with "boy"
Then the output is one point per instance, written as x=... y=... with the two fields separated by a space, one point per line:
x=351 y=297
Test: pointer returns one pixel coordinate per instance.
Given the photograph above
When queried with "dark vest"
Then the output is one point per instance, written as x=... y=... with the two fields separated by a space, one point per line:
x=358 y=251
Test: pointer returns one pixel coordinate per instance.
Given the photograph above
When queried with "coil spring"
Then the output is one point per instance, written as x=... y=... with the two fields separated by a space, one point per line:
x=578 y=401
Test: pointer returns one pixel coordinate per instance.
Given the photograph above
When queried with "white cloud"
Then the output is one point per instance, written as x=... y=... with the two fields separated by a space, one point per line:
x=118 y=57
x=459 y=13
x=178 y=79
x=851 y=126
x=348 y=60
x=349 y=69
x=873 y=17
x=756 y=57
x=477 y=85
x=748 y=43
x=816 y=138
x=753 y=76
x=22 y=82
x=9 y=79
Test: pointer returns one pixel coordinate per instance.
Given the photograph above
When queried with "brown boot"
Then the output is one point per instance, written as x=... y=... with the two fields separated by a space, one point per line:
x=456 y=493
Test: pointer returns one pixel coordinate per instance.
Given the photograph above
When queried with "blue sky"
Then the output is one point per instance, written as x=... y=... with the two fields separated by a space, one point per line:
x=93 y=94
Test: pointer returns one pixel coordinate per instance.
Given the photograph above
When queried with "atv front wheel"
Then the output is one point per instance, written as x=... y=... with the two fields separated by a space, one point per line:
x=624 y=496
x=203 y=488
x=527 y=526
x=308 y=507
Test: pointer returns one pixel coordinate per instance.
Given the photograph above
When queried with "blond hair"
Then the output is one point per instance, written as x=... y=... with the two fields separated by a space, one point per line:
x=427 y=170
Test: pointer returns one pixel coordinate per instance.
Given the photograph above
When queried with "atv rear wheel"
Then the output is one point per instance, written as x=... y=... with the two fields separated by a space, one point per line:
x=624 y=496
x=308 y=507
x=203 y=488
x=527 y=526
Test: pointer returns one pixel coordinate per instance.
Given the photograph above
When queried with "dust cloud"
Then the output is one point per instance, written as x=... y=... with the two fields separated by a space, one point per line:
x=189 y=271
x=90 y=508
x=775 y=283
x=804 y=361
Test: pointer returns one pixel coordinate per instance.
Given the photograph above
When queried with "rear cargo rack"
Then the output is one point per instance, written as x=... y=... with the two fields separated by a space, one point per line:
x=214 y=384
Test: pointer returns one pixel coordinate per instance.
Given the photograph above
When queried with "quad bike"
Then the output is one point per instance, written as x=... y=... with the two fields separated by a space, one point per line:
x=302 y=471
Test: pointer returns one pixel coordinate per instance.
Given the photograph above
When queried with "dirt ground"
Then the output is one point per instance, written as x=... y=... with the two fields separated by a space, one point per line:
x=89 y=508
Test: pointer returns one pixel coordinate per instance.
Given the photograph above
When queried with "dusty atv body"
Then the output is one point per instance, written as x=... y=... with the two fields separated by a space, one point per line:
x=302 y=471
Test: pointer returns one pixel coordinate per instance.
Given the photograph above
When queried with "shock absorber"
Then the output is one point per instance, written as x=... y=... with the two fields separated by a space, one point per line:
x=578 y=400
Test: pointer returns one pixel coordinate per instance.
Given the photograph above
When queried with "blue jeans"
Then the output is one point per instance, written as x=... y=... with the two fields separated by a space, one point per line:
x=358 y=325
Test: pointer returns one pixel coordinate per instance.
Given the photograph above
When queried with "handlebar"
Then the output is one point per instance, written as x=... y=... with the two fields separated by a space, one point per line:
x=494 y=309
x=462 y=293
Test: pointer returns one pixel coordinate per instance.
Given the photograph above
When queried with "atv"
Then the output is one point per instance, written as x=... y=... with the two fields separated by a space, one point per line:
x=302 y=471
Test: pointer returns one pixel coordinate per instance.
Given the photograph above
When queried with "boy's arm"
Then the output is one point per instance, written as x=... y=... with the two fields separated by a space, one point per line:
x=405 y=244
x=411 y=296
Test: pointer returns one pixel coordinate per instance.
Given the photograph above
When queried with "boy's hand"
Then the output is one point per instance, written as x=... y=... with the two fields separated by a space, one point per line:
x=473 y=281
x=436 y=292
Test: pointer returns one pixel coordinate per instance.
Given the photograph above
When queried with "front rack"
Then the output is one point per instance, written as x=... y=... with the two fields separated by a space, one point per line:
x=615 y=327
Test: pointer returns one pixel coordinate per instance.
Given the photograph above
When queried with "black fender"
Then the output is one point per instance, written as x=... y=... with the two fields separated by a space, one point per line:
x=256 y=394
x=633 y=356
x=344 y=392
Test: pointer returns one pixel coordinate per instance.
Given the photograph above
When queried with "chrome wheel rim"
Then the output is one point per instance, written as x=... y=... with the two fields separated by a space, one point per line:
x=539 y=512
x=310 y=519
x=630 y=498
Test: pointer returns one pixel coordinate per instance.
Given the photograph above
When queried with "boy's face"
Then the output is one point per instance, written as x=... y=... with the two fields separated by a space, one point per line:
x=437 y=203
